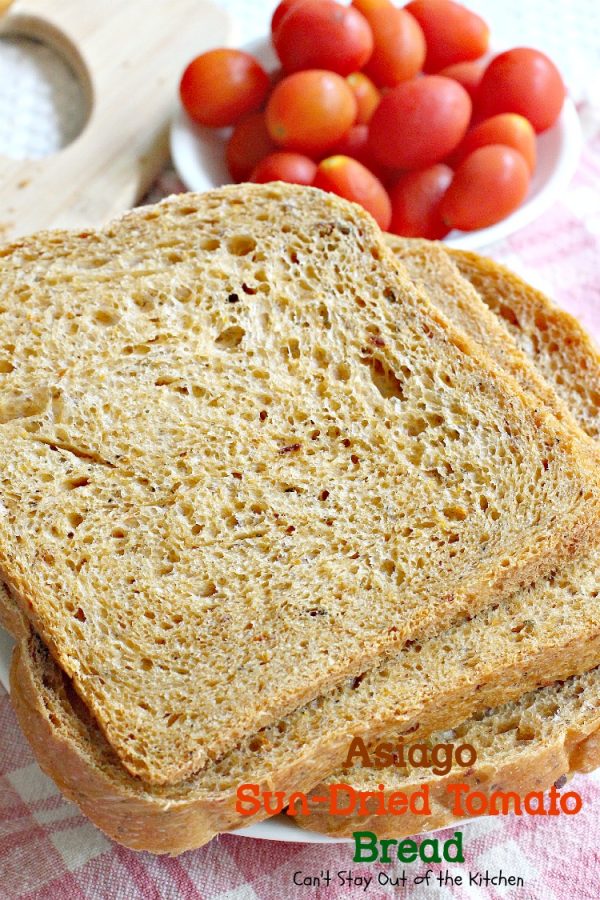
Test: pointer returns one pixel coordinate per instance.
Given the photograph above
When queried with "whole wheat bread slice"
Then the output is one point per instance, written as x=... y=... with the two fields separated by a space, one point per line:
x=529 y=744
x=546 y=633
x=240 y=450
x=552 y=338
x=434 y=267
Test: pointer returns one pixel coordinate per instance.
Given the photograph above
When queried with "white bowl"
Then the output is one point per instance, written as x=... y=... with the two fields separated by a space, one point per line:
x=199 y=157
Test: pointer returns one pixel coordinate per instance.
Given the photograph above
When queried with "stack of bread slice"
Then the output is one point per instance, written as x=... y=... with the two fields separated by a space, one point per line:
x=269 y=483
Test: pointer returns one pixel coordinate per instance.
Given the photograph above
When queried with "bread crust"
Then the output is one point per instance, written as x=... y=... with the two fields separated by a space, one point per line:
x=434 y=266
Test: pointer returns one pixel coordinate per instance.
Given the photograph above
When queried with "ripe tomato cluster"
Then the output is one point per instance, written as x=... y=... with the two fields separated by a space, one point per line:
x=393 y=108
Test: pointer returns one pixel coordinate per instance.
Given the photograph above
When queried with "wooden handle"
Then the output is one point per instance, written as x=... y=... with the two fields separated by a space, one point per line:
x=132 y=55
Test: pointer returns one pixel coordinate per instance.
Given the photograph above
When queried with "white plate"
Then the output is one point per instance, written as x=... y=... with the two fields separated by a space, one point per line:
x=199 y=157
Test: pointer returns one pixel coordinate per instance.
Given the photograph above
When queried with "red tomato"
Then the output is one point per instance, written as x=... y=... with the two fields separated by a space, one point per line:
x=349 y=179
x=399 y=49
x=291 y=167
x=523 y=81
x=310 y=111
x=249 y=143
x=452 y=32
x=281 y=11
x=355 y=143
x=221 y=86
x=416 y=202
x=366 y=94
x=419 y=122
x=487 y=186
x=323 y=34
x=468 y=74
x=509 y=129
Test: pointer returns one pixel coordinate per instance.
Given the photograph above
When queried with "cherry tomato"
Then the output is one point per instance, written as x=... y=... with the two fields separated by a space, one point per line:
x=523 y=81
x=291 y=167
x=323 y=34
x=452 y=32
x=366 y=94
x=351 y=180
x=310 y=111
x=221 y=86
x=509 y=129
x=416 y=203
x=487 y=186
x=399 y=49
x=355 y=143
x=419 y=122
x=468 y=74
x=281 y=11
x=249 y=143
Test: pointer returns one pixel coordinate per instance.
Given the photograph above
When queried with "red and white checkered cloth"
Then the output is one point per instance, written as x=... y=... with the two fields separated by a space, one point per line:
x=48 y=850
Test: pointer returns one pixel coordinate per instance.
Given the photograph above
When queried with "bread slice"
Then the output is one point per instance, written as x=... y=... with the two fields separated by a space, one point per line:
x=431 y=266
x=539 y=636
x=542 y=634
x=552 y=732
x=553 y=339
x=241 y=450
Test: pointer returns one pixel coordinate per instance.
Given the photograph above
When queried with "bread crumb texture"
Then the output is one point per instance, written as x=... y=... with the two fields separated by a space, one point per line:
x=555 y=341
x=243 y=458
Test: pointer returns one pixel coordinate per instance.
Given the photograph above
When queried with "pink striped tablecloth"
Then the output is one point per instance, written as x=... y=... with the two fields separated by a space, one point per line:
x=48 y=850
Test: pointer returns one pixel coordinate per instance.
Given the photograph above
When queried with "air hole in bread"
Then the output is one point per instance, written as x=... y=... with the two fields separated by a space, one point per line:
x=455 y=513
x=525 y=733
x=77 y=482
x=210 y=244
x=508 y=314
x=383 y=378
x=416 y=426
x=231 y=338
x=241 y=245
x=183 y=293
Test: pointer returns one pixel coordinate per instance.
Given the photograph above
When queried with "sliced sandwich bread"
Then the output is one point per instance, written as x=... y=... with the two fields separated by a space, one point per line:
x=474 y=666
x=430 y=265
x=525 y=745
x=240 y=450
x=544 y=633
x=553 y=339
